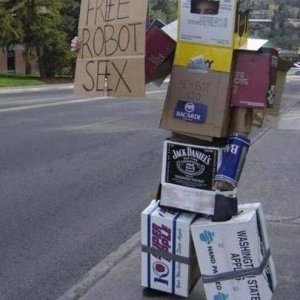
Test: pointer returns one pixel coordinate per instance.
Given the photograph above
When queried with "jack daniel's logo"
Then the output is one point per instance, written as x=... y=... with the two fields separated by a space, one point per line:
x=190 y=166
x=188 y=152
x=191 y=162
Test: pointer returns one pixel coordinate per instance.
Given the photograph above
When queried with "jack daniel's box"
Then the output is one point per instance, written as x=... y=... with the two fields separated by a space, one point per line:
x=168 y=257
x=187 y=176
x=234 y=256
x=189 y=165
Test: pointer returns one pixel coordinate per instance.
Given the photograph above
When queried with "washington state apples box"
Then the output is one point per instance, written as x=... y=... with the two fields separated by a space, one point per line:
x=168 y=257
x=187 y=176
x=234 y=256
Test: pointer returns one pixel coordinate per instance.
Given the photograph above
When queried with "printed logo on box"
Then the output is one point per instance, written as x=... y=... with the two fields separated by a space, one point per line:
x=207 y=236
x=221 y=296
x=188 y=166
x=161 y=239
x=191 y=112
x=199 y=64
x=161 y=270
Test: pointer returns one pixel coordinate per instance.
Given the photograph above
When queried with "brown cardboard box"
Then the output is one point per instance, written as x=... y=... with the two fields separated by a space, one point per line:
x=112 y=46
x=283 y=66
x=271 y=115
x=197 y=103
x=241 y=120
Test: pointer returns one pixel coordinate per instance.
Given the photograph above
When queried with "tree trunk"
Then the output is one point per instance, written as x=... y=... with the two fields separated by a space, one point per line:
x=40 y=62
x=27 y=60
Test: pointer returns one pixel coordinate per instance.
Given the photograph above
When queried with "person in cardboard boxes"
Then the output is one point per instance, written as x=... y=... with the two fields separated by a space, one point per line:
x=234 y=152
x=205 y=7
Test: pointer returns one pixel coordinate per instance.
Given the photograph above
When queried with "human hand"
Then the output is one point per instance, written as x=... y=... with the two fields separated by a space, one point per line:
x=222 y=185
x=75 y=44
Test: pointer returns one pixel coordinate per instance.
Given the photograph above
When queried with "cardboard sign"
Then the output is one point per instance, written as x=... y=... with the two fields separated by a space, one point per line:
x=234 y=256
x=112 y=50
x=169 y=261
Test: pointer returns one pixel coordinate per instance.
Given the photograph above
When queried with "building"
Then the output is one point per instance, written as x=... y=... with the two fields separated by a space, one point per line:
x=12 y=61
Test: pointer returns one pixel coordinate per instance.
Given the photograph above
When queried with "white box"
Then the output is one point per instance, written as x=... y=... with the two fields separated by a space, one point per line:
x=168 y=257
x=187 y=177
x=235 y=246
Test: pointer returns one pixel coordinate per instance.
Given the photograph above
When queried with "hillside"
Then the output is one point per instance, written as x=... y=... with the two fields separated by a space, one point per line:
x=284 y=30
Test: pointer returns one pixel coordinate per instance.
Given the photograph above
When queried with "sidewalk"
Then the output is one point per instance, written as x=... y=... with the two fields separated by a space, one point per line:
x=271 y=176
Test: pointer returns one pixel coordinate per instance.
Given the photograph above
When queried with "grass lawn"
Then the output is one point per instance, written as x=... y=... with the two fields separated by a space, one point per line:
x=9 y=80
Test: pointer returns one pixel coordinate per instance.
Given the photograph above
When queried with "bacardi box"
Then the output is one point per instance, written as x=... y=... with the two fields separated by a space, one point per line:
x=169 y=261
x=197 y=103
x=234 y=256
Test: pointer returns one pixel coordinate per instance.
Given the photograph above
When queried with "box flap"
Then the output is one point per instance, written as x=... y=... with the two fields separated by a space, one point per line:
x=253 y=44
x=171 y=29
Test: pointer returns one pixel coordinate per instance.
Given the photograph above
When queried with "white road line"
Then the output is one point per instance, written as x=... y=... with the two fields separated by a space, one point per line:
x=19 y=90
x=76 y=101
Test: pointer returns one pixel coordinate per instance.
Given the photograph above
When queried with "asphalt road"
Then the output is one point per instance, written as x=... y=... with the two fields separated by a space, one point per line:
x=74 y=176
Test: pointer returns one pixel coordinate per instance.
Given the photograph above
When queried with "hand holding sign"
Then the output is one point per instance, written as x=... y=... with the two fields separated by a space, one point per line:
x=75 y=44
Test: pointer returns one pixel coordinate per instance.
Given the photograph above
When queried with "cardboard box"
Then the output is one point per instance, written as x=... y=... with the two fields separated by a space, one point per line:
x=228 y=252
x=187 y=177
x=254 y=78
x=197 y=103
x=211 y=36
x=269 y=116
x=159 y=46
x=272 y=113
x=112 y=46
x=241 y=120
x=190 y=166
x=226 y=27
x=168 y=257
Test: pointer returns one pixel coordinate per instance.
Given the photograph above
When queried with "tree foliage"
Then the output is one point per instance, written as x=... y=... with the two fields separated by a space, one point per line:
x=164 y=10
x=10 y=27
x=45 y=27
x=281 y=34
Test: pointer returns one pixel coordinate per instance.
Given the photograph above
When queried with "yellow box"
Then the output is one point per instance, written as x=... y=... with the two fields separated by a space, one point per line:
x=210 y=36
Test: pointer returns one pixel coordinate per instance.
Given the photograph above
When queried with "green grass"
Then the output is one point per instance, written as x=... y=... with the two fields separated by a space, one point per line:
x=9 y=80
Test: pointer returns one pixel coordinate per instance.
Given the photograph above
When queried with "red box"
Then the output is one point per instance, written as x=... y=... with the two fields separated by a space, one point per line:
x=159 y=47
x=254 y=78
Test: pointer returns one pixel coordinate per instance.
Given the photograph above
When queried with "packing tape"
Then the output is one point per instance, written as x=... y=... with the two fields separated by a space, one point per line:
x=237 y=274
x=166 y=255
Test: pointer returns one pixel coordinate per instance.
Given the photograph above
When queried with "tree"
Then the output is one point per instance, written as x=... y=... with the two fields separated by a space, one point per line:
x=10 y=27
x=46 y=32
x=164 y=10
